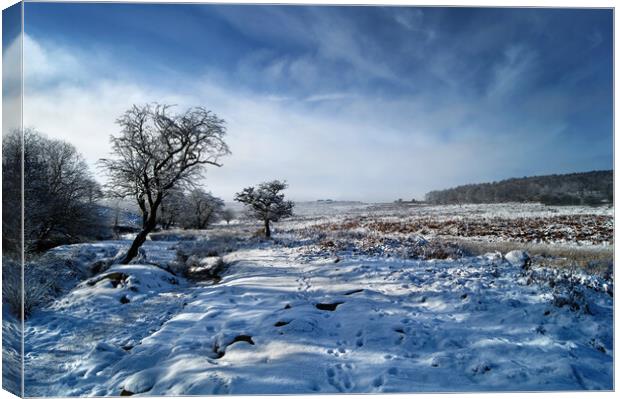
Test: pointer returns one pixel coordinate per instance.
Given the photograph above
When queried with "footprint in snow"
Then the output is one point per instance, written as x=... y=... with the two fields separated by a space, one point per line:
x=378 y=382
x=359 y=342
x=339 y=378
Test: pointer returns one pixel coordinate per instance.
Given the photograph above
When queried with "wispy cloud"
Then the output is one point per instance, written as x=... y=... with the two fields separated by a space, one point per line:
x=412 y=19
x=513 y=72
x=328 y=97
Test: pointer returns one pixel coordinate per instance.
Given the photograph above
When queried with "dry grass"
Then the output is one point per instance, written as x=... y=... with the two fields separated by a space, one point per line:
x=597 y=260
x=595 y=229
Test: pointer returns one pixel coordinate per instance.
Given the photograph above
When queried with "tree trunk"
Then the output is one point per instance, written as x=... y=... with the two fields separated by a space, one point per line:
x=148 y=226
x=136 y=244
x=145 y=214
x=267 y=229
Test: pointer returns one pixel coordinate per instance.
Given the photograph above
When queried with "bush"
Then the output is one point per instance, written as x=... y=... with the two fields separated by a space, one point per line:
x=38 y=288
x=210 y=247
x=192 y=254
x=45 y=277
x=569 y=291
x=570 y=288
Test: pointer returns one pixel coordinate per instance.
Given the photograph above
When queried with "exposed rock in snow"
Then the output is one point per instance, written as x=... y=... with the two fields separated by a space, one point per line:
x=141 y=381
x=518 y=258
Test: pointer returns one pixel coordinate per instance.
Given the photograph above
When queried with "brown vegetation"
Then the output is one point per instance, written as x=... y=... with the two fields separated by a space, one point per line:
x=594 y=229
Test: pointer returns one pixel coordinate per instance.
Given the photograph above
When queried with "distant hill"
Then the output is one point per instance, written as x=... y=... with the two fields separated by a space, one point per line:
x=589 y=188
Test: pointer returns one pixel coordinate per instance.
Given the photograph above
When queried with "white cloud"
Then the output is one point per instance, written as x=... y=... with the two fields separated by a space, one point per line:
x=50 y=63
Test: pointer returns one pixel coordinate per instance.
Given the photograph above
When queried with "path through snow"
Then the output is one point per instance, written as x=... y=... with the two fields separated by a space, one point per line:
x=279 y=322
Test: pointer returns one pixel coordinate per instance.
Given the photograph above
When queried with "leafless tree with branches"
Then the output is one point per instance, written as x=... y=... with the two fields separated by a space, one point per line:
x=202 y=209
x=173 y=206
x=228 y=215
x=158 y=150
x=59 y=195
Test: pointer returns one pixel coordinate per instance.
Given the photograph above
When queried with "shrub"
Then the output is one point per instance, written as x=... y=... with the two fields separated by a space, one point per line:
x=38 y=287
x=192 y=254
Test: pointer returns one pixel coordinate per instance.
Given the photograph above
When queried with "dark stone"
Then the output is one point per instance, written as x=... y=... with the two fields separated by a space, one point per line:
x=328 y=306
x=243 y=338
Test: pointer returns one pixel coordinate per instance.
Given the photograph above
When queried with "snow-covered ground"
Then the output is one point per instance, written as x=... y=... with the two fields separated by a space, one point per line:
x=321 y=210
x=287 y=320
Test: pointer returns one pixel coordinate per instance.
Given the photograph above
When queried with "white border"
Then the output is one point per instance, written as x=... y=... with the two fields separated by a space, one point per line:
x=457 y=3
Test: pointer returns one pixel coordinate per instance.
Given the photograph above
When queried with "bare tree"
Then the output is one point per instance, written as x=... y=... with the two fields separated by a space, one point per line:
x=59 y=192
x=173 y=207
x=266 y=202
x=202 y=209
x=228 y=215
x=157 y=151
x=12 y=145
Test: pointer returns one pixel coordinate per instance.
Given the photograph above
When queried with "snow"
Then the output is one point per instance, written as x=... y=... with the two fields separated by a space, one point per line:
x=84 y=331
x=285 y=320
x=11 y=352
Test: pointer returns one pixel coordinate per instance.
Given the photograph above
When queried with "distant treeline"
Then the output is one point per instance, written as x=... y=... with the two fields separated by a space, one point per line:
x=589 y=188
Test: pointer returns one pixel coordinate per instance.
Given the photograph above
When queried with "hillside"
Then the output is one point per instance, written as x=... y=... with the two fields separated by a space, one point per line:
x=589 y=188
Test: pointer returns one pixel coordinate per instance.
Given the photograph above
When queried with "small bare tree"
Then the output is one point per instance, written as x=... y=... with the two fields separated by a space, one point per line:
x=202 y=209
x=172 y=208
x=266 y=202
x=228 y=215
x=157 y=151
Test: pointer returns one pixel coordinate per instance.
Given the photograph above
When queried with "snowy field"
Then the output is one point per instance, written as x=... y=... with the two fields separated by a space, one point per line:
x=339 y=301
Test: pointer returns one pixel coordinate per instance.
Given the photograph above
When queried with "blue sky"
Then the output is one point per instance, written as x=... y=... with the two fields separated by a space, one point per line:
x=362 y=103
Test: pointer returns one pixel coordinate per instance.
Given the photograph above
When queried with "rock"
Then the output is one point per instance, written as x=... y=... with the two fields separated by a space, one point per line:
x=518 y=258
x=140 y=382
x=115 y=278
x=328 y=306
x=242 y=338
